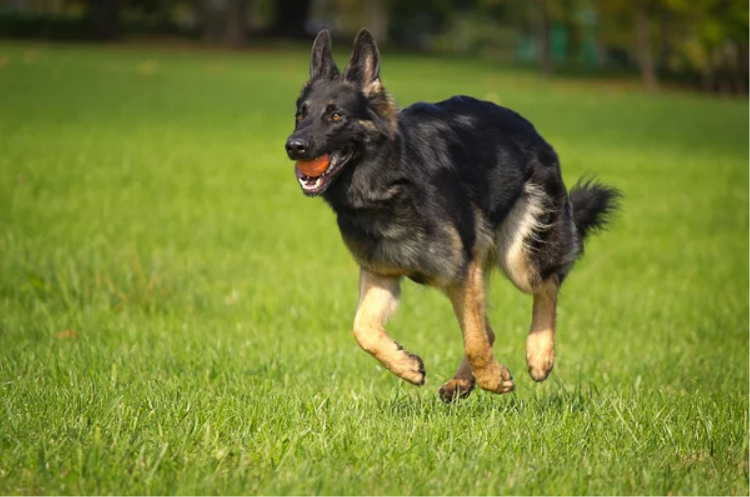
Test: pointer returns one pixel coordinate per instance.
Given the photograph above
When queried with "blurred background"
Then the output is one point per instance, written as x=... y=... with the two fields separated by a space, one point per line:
x=696 y=44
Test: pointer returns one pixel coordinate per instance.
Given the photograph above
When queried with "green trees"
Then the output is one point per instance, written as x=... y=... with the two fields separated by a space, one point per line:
x=711 y=39
x=703 y=37
x=699 y=42
x=104 y=18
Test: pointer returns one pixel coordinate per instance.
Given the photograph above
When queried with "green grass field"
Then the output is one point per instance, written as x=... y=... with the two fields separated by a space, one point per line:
x=175 y=315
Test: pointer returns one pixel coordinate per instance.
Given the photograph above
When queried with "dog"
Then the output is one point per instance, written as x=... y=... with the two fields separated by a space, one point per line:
x=441 y=194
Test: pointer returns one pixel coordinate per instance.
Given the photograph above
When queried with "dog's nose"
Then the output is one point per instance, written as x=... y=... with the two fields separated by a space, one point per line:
x=296 y=147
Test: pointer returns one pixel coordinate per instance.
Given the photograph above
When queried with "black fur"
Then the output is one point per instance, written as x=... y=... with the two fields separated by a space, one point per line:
x=594 y=204
x=421 y=188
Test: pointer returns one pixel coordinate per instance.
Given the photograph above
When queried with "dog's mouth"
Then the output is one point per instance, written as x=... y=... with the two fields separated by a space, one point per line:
x=315 y=176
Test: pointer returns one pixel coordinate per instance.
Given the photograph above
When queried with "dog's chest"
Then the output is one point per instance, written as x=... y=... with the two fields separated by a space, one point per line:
x=393 y=245
x=382 y=245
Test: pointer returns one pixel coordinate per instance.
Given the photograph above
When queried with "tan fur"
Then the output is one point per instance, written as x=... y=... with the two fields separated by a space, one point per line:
x=378 y=300
x=540 y=343
x=468 y=303
x=520 y=227
x=384 y=104
x=366 y=124
x=463 y=382
x=373 y=88
x=483 y=233
x=454 y=260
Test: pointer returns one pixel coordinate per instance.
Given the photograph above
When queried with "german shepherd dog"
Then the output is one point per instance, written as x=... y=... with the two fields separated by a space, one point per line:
x=441 y=194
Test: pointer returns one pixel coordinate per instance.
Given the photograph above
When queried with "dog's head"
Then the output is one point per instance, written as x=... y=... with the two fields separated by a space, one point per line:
x=338 y=114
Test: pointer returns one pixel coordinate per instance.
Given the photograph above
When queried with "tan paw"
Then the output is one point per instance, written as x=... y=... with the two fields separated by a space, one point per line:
x=540 y=356
x=495 y=378
x=456 y=388
x=409 y=367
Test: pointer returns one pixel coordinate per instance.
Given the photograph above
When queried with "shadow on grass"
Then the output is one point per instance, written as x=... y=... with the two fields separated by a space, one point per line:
x=561 y=399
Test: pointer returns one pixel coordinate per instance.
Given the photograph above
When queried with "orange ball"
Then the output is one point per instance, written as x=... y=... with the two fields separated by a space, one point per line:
x=316 y=167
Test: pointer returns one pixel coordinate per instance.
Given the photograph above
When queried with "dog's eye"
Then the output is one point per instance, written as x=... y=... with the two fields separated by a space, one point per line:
x=336 y=116
x=299 y=117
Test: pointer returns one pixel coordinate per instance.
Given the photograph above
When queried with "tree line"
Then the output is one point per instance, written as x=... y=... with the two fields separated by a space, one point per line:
x=702 y=42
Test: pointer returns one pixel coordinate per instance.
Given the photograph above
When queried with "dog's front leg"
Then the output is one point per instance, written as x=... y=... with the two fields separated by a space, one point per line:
x=378 y=300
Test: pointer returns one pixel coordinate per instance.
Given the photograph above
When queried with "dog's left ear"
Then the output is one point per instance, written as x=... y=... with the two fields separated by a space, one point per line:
x=363 y=68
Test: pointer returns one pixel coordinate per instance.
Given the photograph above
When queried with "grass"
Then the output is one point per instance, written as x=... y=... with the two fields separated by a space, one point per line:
x=175 y=315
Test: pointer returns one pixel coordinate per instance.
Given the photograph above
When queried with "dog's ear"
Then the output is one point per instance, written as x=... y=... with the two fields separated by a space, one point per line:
x=322 y=64
x=363 y=68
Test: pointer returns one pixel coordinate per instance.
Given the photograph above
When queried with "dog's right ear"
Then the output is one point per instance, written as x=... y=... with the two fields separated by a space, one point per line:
x=322 y=64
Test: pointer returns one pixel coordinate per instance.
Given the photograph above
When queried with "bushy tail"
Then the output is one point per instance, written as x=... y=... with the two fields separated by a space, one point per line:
x=594 y=205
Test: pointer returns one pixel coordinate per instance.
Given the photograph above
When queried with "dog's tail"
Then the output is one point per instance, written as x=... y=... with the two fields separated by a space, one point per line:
x=594 y=205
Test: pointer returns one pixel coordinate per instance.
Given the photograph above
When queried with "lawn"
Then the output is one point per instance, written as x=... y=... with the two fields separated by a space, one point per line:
x=175 y=315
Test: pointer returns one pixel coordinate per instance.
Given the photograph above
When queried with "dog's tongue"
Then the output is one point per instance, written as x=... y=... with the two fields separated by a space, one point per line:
x=316 y=167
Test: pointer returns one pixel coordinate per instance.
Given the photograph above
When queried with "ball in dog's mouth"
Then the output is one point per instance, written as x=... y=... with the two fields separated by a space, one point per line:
x=315 y=175
x=316 y=167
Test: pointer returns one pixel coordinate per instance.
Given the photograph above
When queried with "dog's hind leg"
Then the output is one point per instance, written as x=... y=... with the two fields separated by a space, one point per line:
x=463 y=382
x=540 y=343
x=467 y=298
x=378 y=300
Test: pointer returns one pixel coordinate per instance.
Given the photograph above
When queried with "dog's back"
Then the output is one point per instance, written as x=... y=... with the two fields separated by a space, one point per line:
x=490 y=150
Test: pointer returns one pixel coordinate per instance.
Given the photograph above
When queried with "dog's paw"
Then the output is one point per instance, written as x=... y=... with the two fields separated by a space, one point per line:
x=456 y=388
x=414 y=371
x=540 y=356
x=495 y=378
x=406 y=366
x=539 y=369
